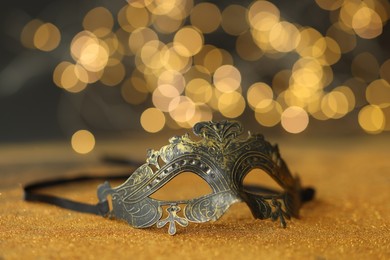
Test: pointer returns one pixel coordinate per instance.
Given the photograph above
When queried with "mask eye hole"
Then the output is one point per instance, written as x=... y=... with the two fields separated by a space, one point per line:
x=185 y=186
x=259 y=178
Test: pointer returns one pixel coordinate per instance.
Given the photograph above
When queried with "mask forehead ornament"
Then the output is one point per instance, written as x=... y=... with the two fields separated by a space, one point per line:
x=222 y=159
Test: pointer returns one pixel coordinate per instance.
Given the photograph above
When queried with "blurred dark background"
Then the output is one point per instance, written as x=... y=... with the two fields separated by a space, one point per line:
x=32 y=107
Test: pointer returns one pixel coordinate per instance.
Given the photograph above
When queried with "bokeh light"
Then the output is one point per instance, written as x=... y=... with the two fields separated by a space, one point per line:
x=294 y=119
x=188 y=41
x=152 y=120
x=182 y=110
x=259 y=96
x=335 y=105
x=365 y=66
x=206 y=17
x=99 y=21
x=183 y=61
x=378 y=93
x=234 y=20
x=28 y=33
x=270 y=115
x=372 y=119
x=47 y=37
x=385 y=71
x=83 y=141
x=231 y=104
x=72 y=78
x=199 y=90
x=367 y=23
x=227 y=78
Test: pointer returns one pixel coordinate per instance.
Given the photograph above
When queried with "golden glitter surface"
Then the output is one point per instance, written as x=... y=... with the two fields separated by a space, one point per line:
x=349 y=218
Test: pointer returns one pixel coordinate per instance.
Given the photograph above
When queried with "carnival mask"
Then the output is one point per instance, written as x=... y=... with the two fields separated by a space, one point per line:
x=223 y=160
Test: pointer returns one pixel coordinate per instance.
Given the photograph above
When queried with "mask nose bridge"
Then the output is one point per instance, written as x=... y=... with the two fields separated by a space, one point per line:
x=212 y=174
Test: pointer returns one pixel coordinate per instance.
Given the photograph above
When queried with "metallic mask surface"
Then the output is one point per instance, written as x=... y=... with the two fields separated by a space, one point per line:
x=222 y=158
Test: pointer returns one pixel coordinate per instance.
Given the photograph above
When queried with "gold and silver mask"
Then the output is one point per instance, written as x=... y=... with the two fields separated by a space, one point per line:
x=222 y=159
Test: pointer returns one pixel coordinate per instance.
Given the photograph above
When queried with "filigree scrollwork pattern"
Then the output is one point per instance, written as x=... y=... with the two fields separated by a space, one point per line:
x=223 y=160
x=210 y=207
